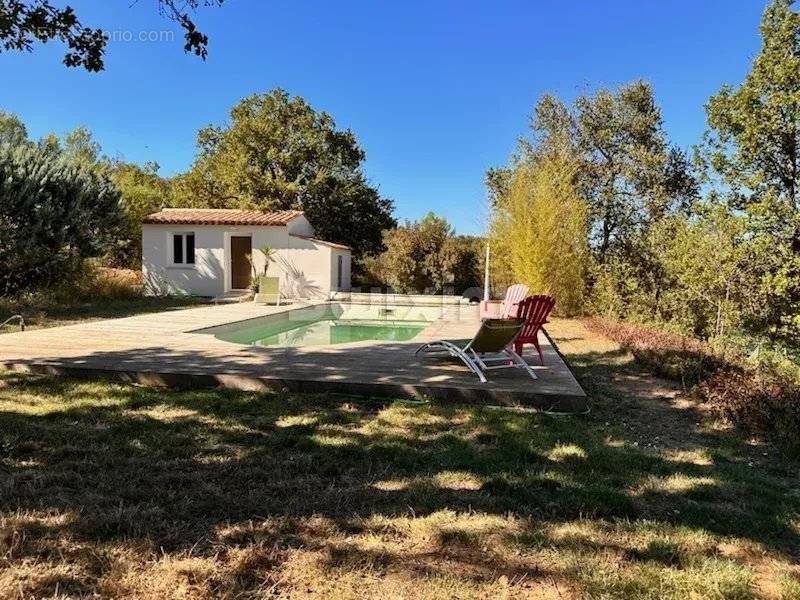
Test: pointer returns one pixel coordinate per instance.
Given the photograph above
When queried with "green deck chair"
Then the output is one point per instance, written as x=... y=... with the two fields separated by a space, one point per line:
x=493 y=338
x=269 y=290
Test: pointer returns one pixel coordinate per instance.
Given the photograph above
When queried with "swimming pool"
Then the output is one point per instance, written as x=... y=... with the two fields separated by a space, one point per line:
x=337 y=323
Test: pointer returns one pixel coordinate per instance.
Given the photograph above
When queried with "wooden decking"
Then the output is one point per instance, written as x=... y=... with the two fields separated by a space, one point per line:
x=161 y=349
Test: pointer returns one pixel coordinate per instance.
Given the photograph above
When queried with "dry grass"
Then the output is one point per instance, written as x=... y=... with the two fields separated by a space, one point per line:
x=124 y=492
x=761 y=397
x=97 y=293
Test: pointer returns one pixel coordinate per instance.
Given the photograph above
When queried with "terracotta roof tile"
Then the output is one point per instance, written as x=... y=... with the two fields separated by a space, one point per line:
x=220 y=216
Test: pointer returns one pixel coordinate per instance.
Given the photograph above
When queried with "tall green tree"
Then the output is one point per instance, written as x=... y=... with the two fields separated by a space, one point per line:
x=628 y=172
x=12 y=129
x=631 y=177
x=278 y=153
x=707 y=271
x=54 y=212
x=79 y=145
x=751 y=153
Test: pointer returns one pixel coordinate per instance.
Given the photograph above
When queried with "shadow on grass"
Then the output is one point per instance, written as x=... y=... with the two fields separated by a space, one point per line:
x=172 y=468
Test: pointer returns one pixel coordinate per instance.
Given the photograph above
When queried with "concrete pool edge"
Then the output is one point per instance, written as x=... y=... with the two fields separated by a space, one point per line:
x=479 y=394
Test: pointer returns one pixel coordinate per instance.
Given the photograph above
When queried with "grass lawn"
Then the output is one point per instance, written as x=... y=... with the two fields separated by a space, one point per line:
x=54 y=314
x=122 y=491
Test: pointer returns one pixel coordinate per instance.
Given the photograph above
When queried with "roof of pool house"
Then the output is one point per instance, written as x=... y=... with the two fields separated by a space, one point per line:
x=232 y=216
x=221 y=216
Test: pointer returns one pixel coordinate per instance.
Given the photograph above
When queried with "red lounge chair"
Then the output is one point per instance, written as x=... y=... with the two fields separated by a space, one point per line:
x=535 y=310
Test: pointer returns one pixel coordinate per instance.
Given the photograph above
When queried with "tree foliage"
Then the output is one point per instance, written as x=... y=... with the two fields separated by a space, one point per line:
x=279 y=153
x=142 y=192
x=54 y=212
x=625 y=173
x=751 y=158
x=628 y=173
x=538 y=229
x=12 y=129
x=25 y=22
x=721 y=264
x=426 y=256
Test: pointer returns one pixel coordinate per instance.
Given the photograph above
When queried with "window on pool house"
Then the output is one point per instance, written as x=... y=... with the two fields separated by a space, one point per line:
x=183 y=248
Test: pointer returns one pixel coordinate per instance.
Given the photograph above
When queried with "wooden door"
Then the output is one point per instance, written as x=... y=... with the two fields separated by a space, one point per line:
x=241 y=247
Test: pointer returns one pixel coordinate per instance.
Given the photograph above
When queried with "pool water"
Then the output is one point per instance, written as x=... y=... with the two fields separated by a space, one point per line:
x=323 y=325
x=319 y=333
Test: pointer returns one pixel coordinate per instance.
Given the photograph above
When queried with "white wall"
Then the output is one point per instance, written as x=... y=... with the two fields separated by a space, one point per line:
x=210 y=275
x=205 y=278
x=300 y=226
x=306 y=268
x=335 y=254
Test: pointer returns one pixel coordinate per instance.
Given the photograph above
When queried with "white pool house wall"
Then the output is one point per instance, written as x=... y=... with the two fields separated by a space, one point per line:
x=307 y=268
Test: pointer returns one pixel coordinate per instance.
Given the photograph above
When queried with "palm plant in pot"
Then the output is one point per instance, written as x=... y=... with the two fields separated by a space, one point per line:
x=268 y=287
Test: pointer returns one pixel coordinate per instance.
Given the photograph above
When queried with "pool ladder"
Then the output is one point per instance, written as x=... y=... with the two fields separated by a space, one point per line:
x=13 y=318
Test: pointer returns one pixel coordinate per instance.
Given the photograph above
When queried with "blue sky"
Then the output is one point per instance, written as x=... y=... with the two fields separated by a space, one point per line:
x=435 y=91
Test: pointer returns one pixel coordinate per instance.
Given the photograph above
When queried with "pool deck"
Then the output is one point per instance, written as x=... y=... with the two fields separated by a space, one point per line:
x=161 y=349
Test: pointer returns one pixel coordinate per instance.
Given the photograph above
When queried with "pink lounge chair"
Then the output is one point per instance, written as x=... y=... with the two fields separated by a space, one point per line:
x=514 y=295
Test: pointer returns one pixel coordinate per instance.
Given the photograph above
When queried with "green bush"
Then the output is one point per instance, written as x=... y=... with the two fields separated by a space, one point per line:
x=424 y=257
x=88 y=283
x=54 y=213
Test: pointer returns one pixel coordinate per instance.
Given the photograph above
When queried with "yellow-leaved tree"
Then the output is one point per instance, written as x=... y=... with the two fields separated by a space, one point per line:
x=538 y=229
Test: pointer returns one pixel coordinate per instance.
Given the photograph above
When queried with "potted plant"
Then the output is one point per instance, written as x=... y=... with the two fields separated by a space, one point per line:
x=254 y=276
x=268 y=287
x=269 y=256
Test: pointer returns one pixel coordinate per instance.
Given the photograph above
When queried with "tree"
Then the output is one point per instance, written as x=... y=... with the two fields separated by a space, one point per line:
x=426 y=256
x=538 y=229
x=24 y=22
x=279 y=153
x=54 y=212
x=625 y=171
x=465 y=256
x=12 y=130
x=497 y=181
x=751 y=154
x=628 y=173
x=142 y=192
x=79 y=145
x=270 y=256
x=630 y=176
x=706 y=271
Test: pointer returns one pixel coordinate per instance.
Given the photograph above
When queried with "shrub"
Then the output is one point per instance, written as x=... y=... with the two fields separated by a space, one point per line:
x=54 y=213
x=669 y=355
x=107 y=283
x=760 y=398
x=759 y=403
x=424 y=257
x=89 y=284
x=538 y=229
